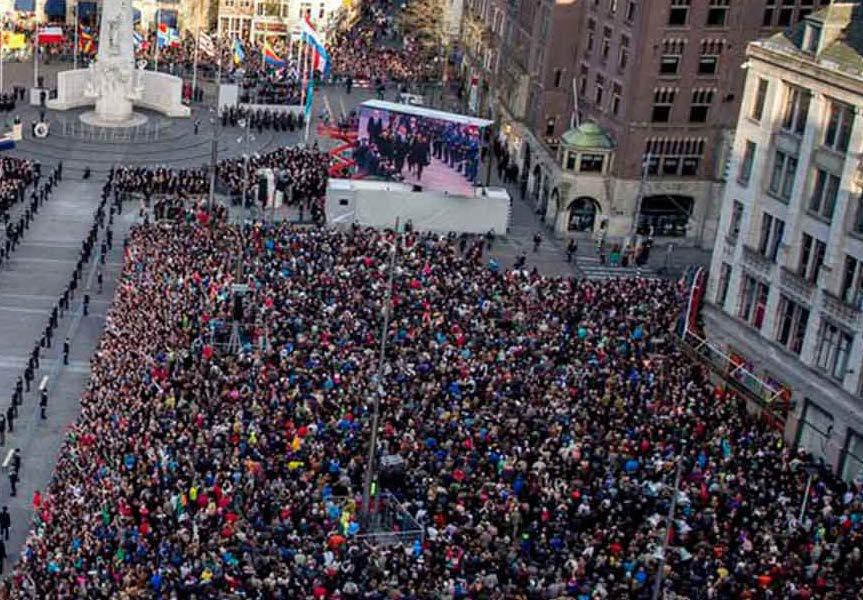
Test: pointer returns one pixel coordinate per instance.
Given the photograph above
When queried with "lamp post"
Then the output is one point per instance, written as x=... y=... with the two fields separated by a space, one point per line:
x=376 y=396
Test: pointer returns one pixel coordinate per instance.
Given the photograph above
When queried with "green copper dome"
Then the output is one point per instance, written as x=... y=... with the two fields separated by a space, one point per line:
x=587 y=136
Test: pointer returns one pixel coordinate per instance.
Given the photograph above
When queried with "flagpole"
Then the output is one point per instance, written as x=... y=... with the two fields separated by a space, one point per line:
x=158 y=24
x=36 y=59
x=197 y=49
x=311 y=92
x=2 y=37
x=75 y=45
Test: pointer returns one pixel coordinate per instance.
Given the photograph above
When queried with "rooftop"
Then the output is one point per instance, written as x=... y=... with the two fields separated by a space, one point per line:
x=839 y=45
x=587 y=136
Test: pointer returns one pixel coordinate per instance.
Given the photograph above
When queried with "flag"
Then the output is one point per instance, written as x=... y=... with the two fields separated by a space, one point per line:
x=50 y=35
x=137 y=40
x=271 y=58
x=86 y=43
x=167 y=36
x=12 y=41
x=206 y=45
x=320 y=56
x=239 y=53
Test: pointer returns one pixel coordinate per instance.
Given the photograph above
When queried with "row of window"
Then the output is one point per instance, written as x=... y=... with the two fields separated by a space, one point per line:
x=812 y=253
x=717 y=13
x=833 y=347
x=600 y=98
x=795 y=113
x=777 y=13
x=701 y=100
x=613 y=5
x=605 y=47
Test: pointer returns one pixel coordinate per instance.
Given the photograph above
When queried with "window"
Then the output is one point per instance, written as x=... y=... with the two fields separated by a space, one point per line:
x=852 y=461
x=760 y=97
x=582 y=81
x=623 y=54
x=815 y=427
x=851 y=291
x=675 y=156
x=824 y=193
x=717 y=13
x=701 y=101
x=746 y=161
x=616 y=95
x=549 y=126
x=811 y=258
x=591 y=163
x=834 y=346
x=856 y=213
x=767 y=17
x=558 y=74
x=734 y=221
x=722 y=284
x=630 y=11
x=812 y=38
x=669 y=64
x=678 y=14
x=591 y=34
x=707 y=64
x=600 y=88
x=753 y=301
x=570 y=161
x=839 y=125
x=796 y=110
x=612 y=6
x=786 y=15
x=770 y=237
x=663 y=99
x=606 y=43
x=782 y=178
x=791 y=327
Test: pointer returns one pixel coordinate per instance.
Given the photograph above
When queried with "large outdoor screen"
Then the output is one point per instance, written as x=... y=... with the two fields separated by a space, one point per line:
x=437 y=150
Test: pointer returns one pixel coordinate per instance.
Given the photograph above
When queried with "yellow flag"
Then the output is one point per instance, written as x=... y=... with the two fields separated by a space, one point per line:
x=12 y=40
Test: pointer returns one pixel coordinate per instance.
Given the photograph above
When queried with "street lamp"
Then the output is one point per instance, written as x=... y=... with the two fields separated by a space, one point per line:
x=378 y=392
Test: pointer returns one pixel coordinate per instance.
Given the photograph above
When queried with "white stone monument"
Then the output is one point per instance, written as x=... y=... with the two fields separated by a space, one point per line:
x=113 y=83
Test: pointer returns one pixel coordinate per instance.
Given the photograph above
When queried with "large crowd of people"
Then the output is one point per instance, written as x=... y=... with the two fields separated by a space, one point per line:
x=373 y=49
x=149 y=181
x=15 y=175
x=301 y=173
x=541 y=422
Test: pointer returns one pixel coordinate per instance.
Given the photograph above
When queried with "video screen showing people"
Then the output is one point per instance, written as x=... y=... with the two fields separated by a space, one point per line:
x=437 y=154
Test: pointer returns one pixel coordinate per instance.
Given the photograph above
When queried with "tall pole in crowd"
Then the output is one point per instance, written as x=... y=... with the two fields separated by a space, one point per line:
x=214 y=149
x=195 y=62
x=36 y=59
x=75 y=42
x=2 y=40
x=158 y=24
x=376 y=393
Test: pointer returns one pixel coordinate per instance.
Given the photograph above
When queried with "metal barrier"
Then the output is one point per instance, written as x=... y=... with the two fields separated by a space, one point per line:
x=772 y=400
x=390 y=522
x=152 y=130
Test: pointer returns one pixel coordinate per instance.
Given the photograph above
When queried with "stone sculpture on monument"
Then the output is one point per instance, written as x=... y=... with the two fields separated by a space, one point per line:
x=113 y=83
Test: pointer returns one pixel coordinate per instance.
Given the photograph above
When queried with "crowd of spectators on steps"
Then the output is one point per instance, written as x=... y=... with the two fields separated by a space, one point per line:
x=541 y=422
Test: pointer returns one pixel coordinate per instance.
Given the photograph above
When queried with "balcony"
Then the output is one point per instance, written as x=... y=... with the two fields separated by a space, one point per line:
x=840 y=311
x=756 y=261
x=796 y=285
